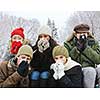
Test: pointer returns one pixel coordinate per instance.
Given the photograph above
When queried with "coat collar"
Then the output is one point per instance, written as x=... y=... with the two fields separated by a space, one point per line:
x=11 y=64
x=70 y=64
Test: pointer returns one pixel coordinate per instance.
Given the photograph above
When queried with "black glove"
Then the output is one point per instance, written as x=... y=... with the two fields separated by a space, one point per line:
x=81 y=43
x=23 y=68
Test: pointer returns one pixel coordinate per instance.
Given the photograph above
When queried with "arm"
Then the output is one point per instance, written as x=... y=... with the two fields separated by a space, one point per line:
x=96 y=47
x=90 y=53
x=8 y=81
x=68 y=46
x=73 y=52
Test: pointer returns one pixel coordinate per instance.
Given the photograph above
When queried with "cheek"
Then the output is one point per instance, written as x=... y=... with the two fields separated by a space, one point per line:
x=19 y=61
x=48 y=38
x=19 y=41
x=55 y=60
x=86 y=35
x=12 y=40
x=64 y=60
x=78 y=36
x=28 y=61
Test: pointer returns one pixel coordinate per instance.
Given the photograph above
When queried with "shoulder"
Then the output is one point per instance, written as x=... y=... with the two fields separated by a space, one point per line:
x=26 y=41
x=75 y=70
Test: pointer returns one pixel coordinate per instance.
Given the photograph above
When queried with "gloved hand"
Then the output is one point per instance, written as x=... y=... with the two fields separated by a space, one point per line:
x=81 y=43
x=58 y=70
x=23 y=68
x=15 y=47
x=43 y=45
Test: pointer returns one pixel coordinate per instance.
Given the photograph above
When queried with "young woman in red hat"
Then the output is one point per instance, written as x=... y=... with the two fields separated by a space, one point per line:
x=16 y=41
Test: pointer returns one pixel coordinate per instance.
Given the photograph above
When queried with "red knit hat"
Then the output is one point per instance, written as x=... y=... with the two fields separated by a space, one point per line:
x=18 y=31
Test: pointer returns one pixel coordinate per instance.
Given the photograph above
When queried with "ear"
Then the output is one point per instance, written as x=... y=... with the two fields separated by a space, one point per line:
x=66 y=60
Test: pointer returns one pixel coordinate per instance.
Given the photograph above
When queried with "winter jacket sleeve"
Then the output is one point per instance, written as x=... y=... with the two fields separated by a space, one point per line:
x=90 y=53
x=68 y=46
x=94 y=45
x=8 y=81
x=73 y=52
x=73 y=78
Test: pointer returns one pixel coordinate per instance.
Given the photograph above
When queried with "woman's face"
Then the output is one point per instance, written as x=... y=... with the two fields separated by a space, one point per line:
x=60 y=59
x=44 y=37
x=23 y=58
x=17 y=38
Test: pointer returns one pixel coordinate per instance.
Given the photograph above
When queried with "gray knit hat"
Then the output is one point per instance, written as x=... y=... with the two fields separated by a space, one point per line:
x=44 y=30
x=60 y=50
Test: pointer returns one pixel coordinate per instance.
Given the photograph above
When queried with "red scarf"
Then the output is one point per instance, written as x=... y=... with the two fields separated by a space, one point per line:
x=15 y=47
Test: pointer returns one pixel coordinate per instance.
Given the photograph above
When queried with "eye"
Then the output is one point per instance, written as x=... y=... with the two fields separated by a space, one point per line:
x=40 y=36
x=19 y=38
x=23 y=57
x=45 y=36
x=56 y=58
x=28 y=58
x=61 y=57
x=14 y=38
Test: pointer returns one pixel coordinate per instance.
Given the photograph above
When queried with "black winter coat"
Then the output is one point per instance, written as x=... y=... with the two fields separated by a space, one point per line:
x=42 y=61
x=73 y=78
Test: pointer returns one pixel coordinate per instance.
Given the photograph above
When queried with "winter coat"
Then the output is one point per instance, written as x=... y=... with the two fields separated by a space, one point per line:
x=42 y=61
x=8 y=55
x=87 y=58
x=73 y=77
x=9 y=76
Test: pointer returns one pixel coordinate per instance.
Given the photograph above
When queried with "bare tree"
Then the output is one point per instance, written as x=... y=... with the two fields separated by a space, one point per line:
x=8 y=23
x=92 y=18
x=54 y=34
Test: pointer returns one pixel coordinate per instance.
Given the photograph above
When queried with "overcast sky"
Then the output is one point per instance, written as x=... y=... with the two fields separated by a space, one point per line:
x=58 y=10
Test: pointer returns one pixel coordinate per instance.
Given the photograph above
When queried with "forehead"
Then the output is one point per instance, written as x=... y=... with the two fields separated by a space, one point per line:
x=43 y=34
x=59 y=56
x=16 y=36
x=26 y=56
x=82 y=32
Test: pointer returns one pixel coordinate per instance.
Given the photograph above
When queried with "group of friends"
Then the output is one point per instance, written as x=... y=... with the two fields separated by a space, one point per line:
x=47 y=64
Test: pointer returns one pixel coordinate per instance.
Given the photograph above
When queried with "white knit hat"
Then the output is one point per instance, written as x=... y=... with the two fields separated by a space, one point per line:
x=44 y=30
